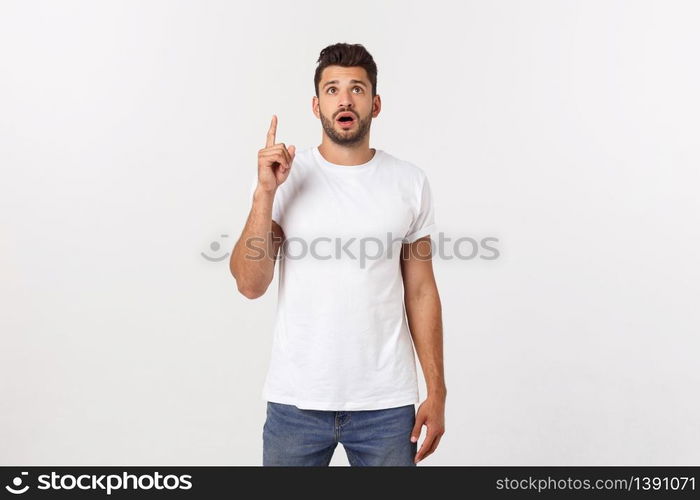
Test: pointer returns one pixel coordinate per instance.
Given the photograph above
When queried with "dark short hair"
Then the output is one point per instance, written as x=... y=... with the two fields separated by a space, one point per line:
x=343 y=54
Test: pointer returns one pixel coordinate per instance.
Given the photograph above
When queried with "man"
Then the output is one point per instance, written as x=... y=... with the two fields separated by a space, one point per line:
x=356 y=292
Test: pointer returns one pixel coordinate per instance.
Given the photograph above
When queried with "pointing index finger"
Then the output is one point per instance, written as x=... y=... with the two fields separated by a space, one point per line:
x=271 y=132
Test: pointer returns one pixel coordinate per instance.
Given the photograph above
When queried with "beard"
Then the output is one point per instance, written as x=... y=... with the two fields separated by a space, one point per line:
x=349 y=137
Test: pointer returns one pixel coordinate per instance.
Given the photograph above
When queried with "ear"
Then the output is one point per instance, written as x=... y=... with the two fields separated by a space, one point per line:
x=314 y=107
x=376 y=105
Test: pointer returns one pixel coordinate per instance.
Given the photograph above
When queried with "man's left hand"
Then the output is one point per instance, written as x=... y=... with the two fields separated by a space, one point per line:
x=431 y=413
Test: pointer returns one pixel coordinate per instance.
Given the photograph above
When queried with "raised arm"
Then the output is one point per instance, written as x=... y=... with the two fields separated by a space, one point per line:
x=252 y=261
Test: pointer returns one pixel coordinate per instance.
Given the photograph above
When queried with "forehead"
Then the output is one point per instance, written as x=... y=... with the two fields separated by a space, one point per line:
x=344 y=74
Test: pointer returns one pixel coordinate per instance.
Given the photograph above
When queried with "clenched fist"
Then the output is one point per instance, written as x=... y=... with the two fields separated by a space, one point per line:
x=274 y=160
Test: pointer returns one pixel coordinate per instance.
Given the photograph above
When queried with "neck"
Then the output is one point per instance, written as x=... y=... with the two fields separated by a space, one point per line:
x=356 y=154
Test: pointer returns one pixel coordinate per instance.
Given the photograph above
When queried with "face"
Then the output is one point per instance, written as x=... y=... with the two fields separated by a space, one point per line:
x=346 y=91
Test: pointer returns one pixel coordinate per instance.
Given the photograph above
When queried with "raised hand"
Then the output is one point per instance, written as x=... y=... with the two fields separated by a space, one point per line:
x=274 y=160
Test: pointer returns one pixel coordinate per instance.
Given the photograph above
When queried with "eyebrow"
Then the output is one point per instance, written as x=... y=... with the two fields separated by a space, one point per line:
x=361 y=82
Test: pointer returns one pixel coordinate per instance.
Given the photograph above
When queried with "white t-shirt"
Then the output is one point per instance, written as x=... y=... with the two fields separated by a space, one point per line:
x=341 y=338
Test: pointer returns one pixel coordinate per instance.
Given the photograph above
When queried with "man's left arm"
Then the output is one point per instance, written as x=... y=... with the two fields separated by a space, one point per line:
x=424 y=314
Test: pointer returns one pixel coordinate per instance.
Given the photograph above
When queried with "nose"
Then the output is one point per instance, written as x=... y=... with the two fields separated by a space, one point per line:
x=345 y=101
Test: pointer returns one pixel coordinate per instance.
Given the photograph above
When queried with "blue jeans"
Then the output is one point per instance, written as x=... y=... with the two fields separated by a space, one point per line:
x=296 y=437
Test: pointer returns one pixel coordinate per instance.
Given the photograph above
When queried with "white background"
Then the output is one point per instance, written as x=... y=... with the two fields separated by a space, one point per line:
x=129 y=132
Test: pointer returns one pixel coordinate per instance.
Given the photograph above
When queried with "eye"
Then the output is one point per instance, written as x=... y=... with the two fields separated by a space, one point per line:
x=333 y=88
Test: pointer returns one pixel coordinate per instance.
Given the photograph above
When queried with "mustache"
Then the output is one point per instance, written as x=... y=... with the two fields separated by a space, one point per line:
x=347 y=111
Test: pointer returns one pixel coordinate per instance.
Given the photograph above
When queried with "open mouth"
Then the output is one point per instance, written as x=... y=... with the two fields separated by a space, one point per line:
x=346 y=120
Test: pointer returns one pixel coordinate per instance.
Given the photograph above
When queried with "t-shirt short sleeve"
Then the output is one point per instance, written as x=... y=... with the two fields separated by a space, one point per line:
x=276 y=204
x=424 y=222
